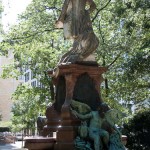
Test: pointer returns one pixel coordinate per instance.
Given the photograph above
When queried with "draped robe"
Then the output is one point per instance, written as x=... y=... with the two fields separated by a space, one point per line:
x=75 y=18
x=78 y=26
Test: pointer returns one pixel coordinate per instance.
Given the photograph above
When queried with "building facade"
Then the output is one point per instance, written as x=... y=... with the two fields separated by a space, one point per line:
x=7 y=88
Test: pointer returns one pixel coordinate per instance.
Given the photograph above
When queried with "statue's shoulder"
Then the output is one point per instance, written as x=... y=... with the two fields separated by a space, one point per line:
x=94 y=113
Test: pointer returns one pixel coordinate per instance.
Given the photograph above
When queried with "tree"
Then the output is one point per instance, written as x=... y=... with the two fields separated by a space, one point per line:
x=122 y=28
x=28 y=104
x=124 y=48
x=138 y=130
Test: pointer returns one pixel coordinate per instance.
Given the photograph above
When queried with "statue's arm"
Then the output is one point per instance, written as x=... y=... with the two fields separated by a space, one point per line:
x=116 y=129
x=92 y=5
x=80 y=116
x=113 y=125
x=60 y=21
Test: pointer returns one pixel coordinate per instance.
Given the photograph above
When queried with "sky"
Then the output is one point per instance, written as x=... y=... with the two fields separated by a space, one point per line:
x=11 y=10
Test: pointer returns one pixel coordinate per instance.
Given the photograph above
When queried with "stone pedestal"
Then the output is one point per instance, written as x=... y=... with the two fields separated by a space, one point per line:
x=69 y=75
x=73 y=81
x=39 y=143
x=53 y=121
x=124 y=139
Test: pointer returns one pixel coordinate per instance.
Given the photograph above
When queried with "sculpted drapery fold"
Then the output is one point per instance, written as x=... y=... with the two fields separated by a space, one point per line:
x=75 y=18
x=76 y=23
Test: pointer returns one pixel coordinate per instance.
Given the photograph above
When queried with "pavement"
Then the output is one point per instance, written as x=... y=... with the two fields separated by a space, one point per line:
x=16 y=146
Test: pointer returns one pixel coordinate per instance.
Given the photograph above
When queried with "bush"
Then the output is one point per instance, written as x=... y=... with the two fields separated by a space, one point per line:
x=138 y=131
x=4 y=129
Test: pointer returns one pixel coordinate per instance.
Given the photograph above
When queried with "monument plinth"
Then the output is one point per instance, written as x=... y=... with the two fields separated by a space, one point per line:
x=72 y=81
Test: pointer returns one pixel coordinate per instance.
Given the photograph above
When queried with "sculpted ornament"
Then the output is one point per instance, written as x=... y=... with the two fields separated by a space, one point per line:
x=76 y=24
x=100 y=126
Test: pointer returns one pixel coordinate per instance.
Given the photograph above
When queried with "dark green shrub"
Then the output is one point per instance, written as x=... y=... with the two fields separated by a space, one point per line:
x=4 y=129
x=138 y=131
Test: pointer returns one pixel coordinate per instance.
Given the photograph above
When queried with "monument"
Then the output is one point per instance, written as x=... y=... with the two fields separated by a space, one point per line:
x=79 y=117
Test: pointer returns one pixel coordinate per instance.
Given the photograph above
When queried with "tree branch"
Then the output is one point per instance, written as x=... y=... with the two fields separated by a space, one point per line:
x=115 y=60
x=26 y=37
x=100 y=10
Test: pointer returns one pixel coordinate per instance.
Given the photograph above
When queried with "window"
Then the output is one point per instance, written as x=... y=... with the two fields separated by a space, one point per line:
x=32 y=75
x=33 y=83
x=27 y=75
x=40 y=85
x=26 y=67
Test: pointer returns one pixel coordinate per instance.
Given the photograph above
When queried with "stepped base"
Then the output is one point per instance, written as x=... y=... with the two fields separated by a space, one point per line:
x=64 y=146
x=39 y=143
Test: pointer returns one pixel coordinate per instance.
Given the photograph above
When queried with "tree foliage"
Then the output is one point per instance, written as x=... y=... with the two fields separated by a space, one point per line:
x=28 y=104
x=138 y=130
x=123 y=31
x=124 y=48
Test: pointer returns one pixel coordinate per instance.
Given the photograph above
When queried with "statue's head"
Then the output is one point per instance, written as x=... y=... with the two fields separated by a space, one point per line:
x=102 y=109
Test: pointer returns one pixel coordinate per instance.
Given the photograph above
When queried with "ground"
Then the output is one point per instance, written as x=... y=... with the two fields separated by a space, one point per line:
x=16 y=146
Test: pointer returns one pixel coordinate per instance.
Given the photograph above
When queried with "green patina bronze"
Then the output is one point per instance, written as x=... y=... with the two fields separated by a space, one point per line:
x=98 y=126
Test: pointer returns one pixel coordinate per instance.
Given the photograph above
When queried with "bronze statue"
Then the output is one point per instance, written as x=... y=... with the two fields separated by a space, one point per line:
x=75 y=20
x=101 y=126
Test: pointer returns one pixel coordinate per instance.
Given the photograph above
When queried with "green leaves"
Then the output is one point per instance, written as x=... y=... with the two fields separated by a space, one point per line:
x=28 y=104
x=123 y=31
x=138 y=130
